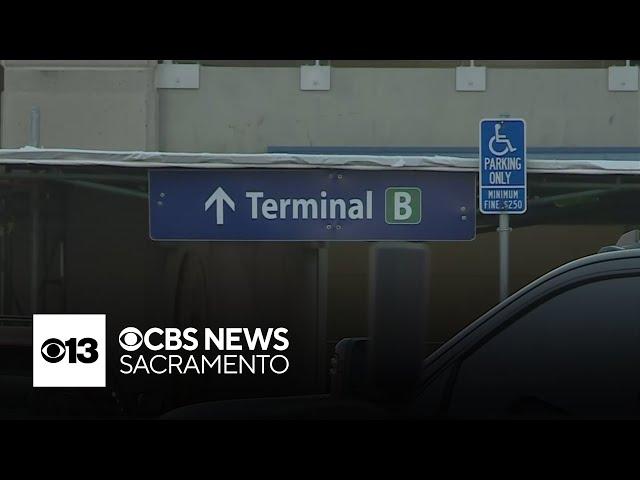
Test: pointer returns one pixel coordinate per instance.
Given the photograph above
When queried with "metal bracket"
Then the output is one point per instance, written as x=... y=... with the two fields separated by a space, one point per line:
x=623 y=79
x=172 y=75
x=471 y=79
x=315 y=77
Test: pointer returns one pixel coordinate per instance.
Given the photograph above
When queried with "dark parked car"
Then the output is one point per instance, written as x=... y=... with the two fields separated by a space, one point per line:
x=566 y=346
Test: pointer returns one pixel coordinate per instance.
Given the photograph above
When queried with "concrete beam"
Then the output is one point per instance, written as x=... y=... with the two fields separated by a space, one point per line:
x=244 y=109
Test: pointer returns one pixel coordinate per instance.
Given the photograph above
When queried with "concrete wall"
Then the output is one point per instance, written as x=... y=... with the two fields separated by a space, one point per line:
x=245 y=109
x=415 y=63
x=93 y=108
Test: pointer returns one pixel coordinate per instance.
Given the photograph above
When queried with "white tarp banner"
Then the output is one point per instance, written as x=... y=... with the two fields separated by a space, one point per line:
x=59 y=157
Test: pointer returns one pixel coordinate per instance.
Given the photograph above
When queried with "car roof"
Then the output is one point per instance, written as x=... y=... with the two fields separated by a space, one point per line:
x=589 y=260
x=597 y=258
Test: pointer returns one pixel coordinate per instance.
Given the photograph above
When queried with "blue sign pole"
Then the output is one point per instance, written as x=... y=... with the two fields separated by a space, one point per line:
x=503 y=180
x=310 y=205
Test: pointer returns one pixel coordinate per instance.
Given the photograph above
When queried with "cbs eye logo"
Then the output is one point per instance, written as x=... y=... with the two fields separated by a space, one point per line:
x=69 y=350
x=84 y=350
x=130 y=339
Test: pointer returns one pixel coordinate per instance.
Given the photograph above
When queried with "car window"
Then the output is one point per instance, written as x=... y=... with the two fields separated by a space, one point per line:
x=574 y=355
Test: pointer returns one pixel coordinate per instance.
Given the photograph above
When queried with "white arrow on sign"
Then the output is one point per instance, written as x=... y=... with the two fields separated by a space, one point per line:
x=219 y=197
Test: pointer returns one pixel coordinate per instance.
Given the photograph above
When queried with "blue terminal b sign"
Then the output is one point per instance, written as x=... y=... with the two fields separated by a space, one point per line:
x=503 y=166
x=310 y=204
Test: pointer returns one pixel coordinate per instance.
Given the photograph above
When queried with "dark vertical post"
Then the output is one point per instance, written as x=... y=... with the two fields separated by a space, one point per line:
x=34 y=141
x=398 y=293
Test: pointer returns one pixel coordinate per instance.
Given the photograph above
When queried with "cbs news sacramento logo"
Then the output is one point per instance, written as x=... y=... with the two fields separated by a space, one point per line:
x=69 y=350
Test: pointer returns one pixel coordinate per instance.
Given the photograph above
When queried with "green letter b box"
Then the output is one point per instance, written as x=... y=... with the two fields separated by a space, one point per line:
x=403 y=205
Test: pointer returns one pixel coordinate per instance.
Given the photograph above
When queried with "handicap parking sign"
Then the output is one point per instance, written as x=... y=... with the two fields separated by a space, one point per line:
x=503 y=171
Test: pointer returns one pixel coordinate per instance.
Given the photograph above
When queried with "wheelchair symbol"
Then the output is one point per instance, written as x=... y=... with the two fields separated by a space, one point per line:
x=498 y=138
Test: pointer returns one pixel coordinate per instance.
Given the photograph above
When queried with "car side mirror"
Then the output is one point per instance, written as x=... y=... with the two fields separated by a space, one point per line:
x=348 y=373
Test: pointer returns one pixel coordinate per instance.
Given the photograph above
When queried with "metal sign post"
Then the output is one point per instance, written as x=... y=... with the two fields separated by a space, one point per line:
x=503 y=180
x=34 y=141
x=503 y=239
x=323 y=293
